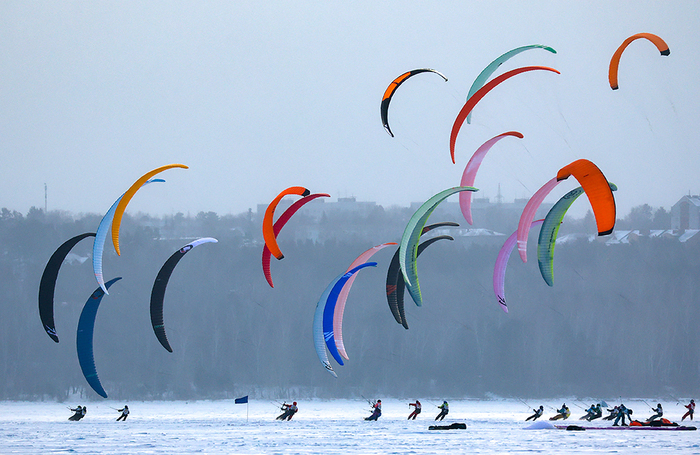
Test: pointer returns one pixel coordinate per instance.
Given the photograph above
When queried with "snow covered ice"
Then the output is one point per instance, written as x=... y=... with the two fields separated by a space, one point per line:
x=335 y=426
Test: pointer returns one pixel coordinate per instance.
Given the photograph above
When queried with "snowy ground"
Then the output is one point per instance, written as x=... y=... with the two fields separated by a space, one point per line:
x=336 y=426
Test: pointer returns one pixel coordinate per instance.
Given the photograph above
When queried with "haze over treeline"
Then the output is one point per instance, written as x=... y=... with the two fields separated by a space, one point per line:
x=619 y=321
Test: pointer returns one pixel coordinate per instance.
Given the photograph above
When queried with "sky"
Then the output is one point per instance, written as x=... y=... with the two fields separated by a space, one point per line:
x=258 y=96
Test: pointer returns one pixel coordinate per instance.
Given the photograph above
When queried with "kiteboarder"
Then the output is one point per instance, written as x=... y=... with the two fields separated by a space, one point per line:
x=563 y=413
x=444 y=410
x=416 y=411
x=79 y=413
x=376 y=410
x=659 y=412
x=691 y=410
x=289 y=411
x=589 y=413
x=125 y=413
x=593 y=413
x=537 y=414
x=622 y=412
x=613 y=413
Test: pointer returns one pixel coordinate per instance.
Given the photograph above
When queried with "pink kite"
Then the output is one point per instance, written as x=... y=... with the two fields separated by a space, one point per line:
x=499 y=270
x=343 y=296
x=465 y=197
x=529 y=214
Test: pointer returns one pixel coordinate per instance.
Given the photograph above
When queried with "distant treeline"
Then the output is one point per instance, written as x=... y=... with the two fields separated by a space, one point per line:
x=620 y=320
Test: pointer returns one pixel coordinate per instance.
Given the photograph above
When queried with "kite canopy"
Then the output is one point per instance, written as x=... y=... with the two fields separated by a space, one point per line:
x=330 y=309
x=476 y=97
x=615 y=60
x=126 y=198
x=98 y=245
x=499 y=269
x=277 y=227
x=386 y=99
x=550 y=229
x=47 y=285
x=268 y=229
x=493 y=66
x=395 y=283
x=408 y=248
x=161 y=282
x=597 y=189
x=529 y=214
x=83 y=340
x=343 y=297
x=469 y=174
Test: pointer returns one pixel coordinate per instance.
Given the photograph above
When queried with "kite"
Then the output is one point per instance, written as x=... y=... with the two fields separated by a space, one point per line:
x=98 y=245
x=476 y=97
x=317 y=330
x=408 y=248
x=529 y=214
x=550 y=229
x=386 y=99
x=277 y=227
x=615 y=61
x=331 y=308
x=395 y=282
x=126 y=197
x=268 y=229
x=161 y=282
x=47 y=285
x=499 y=269
x=83 y=340
x=469 y=175
x=400 y=314
x=343 y=297
x=493 y=66
x=597 y=189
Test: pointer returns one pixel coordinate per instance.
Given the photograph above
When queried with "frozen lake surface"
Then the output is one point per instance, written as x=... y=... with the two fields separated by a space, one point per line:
x=335 y=426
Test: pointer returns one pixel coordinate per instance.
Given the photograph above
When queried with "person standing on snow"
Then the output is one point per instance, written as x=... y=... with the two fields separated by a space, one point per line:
x=376 y=411
x=125 y=413
x=79 y=413
x=622 y=412
x=691 y=410
x=416 y=411
x=289 y=411
x=444 y=410
x=538 y=413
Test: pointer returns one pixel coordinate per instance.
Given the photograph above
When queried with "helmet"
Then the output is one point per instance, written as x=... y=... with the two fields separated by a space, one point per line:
x=658 y=404
x=295 y=403
x=692 y=401
x=379 y=401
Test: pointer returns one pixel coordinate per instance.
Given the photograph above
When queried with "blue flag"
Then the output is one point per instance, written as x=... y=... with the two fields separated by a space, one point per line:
x=242 y=400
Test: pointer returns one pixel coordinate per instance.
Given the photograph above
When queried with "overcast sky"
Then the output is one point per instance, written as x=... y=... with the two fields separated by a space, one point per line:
x=257 y=96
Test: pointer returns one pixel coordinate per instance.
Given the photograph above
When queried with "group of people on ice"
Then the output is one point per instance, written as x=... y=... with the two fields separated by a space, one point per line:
x=80 y=412
x=618 y=413
x=376 y=410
